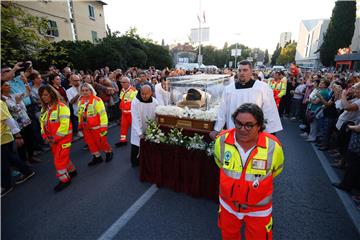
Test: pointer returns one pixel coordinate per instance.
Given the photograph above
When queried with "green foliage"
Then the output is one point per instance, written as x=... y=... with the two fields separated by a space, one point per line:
x=19 y=37
x=115 y=51
x=287 y=54
x=266 y=57
x=275 y=54
x=340 y=31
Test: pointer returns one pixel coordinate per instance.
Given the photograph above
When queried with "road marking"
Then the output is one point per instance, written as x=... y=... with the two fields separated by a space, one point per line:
x=126 y=217
x=348 y=203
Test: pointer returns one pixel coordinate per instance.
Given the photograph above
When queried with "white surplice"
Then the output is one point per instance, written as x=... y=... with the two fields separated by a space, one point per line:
x=260 y=93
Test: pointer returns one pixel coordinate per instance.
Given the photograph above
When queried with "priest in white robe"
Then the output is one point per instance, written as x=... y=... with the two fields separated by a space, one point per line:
x=247 y=90
x=142 y=109
x=162 y=93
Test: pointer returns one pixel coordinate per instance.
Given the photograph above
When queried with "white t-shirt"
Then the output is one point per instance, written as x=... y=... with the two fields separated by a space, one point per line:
x=71 y=93
x=299 y=91
x=349 y=116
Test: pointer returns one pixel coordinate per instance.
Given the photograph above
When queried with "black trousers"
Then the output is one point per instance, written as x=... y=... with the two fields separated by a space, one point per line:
x=351 y=178
x=9 y=158
x=134 y=155
x=26 y=151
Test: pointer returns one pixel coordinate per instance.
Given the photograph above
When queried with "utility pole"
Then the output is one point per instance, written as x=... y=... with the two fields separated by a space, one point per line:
x=236 y=50
x=200 y=59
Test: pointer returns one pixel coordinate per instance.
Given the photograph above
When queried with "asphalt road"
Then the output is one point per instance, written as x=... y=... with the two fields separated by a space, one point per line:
x=306 y=206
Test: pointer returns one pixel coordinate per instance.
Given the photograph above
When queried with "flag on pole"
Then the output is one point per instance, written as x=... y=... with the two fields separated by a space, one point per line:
x=198 y=17
x=204 y=17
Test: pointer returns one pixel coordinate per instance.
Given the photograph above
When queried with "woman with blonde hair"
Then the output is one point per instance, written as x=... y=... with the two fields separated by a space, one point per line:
x=56 y=129
x=93 y=121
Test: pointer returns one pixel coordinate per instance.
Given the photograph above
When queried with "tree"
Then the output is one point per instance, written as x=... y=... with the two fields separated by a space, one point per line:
x=19 y=37
x=266 y=57
x=287 y=54
x=340 y=31
x=275 y=54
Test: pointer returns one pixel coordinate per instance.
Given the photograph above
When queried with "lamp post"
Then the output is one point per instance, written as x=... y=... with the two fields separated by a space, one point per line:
x=236 y=50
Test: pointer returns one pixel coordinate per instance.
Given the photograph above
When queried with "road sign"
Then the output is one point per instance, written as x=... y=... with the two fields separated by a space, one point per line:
x=235 y=53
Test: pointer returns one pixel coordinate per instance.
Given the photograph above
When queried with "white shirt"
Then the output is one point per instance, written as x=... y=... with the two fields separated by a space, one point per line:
x=349 y=115
x=71 y=93
x=244 y=155
x=299 y=91
x=260 y=94
x=162 y=96
x=140 y=113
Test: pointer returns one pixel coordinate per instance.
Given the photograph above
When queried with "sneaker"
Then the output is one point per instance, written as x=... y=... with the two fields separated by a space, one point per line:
x=302 y=126
x=95 y=161
x=6 y=191
x=61 y=185
x=24 y=177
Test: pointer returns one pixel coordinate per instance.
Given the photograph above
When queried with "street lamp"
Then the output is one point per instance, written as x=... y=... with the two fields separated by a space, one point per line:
x=236 y=50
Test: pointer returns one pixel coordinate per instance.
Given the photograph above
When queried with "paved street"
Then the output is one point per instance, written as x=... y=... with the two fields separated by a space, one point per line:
x=306 y=206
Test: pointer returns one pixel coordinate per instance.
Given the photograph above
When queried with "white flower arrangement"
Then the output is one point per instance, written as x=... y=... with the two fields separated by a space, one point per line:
x=176 y=137
x=208 y=115
x=196 y=142
x=210 y=148
x=153 y=133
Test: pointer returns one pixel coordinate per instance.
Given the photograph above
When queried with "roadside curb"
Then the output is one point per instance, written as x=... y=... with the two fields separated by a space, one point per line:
x=348 y=203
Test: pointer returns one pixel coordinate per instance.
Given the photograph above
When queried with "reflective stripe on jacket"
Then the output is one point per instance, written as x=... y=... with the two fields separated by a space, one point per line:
x=126 y=96
x=55 y=123
x=248 y=188
x=278 y=87
x=92 y=115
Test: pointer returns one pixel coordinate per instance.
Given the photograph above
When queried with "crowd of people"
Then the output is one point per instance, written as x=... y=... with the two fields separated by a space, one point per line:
x=326 y=104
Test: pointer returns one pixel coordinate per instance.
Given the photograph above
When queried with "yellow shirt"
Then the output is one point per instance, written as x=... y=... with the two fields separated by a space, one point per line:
x=6 y=135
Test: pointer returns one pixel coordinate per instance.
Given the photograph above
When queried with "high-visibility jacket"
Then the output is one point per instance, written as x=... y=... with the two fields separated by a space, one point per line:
x=126 y=96
x=248 y=189
x=278 y=87
x=55 y=123
x=92 y=114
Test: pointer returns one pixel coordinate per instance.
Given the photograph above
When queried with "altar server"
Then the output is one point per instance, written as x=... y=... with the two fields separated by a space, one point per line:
x=247 y=90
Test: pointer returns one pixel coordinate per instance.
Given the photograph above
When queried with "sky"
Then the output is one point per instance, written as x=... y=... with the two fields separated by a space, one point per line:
x=254 y=23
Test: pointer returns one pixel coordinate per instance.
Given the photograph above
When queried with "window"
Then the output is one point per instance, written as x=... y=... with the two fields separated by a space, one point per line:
x=91 y=12
x=94 y=36
x=52 y=29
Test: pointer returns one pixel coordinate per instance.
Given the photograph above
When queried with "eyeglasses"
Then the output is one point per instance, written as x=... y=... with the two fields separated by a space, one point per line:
x=123 y=82
x=247 y=126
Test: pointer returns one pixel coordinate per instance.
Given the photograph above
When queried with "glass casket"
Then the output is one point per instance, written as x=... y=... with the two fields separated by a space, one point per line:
x=194 y=102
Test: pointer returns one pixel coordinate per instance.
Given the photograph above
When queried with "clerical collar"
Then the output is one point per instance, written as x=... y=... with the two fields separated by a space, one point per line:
x=248 y=84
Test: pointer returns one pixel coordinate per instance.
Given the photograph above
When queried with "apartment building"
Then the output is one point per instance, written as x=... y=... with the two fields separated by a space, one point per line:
x=69 y=19
x=285 y=37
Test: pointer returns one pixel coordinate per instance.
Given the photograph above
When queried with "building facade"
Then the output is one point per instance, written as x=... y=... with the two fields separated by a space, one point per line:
x=285 y=37
x=69 y=19
x=311 y=36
